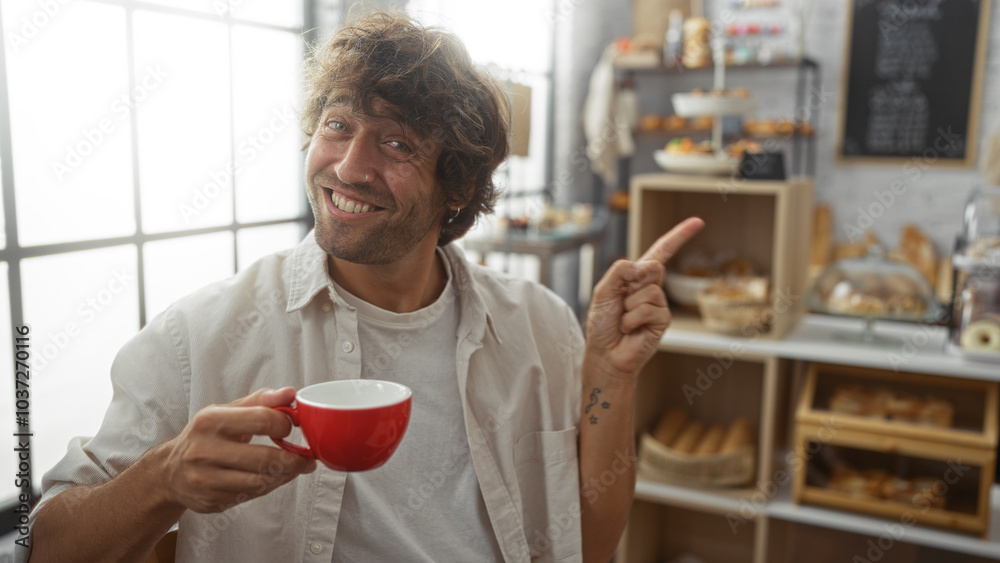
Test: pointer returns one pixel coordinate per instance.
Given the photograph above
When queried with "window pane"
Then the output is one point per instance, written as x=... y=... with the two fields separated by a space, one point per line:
x=253 y=244
x=208 y=6
x=287 y=13
x=485 y=28
x=266 y=89
x=8 y=458
x=185 y=156
x=177 y=267
x=82 y=307
x=69 y=124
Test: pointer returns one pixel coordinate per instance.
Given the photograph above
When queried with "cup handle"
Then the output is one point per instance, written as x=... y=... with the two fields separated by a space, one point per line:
x=294 y=448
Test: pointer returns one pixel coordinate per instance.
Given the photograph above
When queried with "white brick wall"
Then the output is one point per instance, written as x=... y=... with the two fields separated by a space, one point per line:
x=933 y=201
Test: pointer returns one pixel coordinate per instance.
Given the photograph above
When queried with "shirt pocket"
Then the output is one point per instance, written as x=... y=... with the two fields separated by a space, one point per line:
x=548 y=477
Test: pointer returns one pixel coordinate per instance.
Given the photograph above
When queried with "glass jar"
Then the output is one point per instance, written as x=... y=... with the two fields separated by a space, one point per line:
x=975 y=322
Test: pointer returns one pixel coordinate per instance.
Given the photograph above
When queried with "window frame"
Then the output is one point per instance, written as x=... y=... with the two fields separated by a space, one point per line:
x=13 y=253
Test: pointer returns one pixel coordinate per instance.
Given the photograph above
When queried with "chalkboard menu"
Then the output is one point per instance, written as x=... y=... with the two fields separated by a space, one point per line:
x=913 y=80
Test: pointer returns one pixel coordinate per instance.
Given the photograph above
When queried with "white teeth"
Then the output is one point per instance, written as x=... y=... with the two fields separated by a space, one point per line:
x=344 y=204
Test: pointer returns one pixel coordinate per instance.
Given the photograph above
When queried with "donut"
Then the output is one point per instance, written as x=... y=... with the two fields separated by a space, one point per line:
x=982 y=335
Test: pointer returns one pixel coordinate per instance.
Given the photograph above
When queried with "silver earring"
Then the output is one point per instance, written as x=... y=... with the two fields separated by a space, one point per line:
x=454 y=215
x=366 y=178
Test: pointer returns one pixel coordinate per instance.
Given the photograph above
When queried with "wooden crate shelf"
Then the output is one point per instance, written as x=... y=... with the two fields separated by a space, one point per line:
x=956 y=460
x=766 y=222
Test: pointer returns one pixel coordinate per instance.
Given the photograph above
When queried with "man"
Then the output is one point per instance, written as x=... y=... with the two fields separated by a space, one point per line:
x=405 y=134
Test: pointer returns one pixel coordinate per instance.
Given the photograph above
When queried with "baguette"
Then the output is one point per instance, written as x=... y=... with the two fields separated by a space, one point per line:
x=689 y=436
x=711 y=441
x=739 y=434
x=670 y=426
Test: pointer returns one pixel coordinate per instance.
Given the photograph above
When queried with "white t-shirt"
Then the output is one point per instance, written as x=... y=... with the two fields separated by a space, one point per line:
x=425 y=503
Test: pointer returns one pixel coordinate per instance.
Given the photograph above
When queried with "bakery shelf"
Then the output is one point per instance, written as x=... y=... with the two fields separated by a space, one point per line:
x=720 y=501
x=662 y=69
x=782 y=507
x=657 y=532
x=714 y=390
x=921 y=348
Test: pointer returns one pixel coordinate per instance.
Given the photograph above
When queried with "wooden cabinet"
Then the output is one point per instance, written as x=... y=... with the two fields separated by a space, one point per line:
x=774 y=382
x=765 y=222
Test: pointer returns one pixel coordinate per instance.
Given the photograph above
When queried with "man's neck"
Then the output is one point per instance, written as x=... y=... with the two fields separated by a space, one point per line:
x=402 y=287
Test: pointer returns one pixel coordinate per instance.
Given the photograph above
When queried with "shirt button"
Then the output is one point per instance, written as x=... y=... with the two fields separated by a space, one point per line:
x=316 y=548
x=327 y=307
x=347 y=347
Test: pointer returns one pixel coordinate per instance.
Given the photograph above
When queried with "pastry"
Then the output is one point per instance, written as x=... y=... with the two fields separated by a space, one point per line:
x=936 y=412
x=984 y=248
x=650 y=123
x=856 y=249
x=981 y=335
x=702 y=123
x=674 y=123
x=737 y=267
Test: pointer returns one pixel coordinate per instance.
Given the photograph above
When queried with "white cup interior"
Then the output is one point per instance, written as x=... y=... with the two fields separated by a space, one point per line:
x=354 y=394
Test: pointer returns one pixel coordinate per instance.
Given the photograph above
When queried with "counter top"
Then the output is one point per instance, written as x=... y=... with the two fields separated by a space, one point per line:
x=912 y=347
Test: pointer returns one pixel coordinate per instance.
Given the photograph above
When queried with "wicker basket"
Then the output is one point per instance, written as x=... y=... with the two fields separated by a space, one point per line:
x=717 y=470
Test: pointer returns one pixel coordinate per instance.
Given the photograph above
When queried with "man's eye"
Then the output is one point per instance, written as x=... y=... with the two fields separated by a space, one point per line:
x=336 y=125
x=400 y=145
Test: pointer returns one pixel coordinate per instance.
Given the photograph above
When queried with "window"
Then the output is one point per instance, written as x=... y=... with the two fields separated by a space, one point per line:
x=148 y=148
x=485 y=28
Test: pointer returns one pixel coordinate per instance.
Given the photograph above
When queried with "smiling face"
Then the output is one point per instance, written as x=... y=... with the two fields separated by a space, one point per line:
x=372 y=186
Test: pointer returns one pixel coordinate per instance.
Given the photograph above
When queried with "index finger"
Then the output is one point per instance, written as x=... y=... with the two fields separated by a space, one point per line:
x=668 y=245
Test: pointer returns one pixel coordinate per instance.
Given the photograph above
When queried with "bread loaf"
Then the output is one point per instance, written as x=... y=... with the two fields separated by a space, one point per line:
x=669 y=426
x=822 y=241
x=916 y=249
x=687 y=440
x=710 y=442
x=740 y=433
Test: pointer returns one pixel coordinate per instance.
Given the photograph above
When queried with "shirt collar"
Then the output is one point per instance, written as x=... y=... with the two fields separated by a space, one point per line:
x=309 y=276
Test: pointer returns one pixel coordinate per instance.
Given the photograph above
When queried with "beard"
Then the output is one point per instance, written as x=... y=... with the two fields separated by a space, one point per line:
x=382 y=239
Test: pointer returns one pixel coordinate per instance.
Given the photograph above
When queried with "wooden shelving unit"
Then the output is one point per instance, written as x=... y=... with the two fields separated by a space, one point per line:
x=766 y=222
x=762 y=523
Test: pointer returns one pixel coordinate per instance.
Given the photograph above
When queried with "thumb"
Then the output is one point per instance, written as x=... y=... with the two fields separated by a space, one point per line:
x=267 y=398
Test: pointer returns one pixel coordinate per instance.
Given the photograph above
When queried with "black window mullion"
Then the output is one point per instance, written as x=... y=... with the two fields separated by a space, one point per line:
x=13 y=253
x=140 y=275
x=8 y=518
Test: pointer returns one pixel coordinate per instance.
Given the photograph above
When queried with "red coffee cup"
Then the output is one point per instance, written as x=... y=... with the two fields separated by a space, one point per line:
x=351 y=424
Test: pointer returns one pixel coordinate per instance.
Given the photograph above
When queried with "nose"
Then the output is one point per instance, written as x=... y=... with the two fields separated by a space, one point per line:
x=355 y=166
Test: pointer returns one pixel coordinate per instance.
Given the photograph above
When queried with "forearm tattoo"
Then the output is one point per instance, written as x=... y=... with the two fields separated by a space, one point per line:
x=593 y=403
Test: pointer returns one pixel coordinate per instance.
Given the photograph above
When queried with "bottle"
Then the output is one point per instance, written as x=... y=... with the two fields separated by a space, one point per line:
x=673 y=41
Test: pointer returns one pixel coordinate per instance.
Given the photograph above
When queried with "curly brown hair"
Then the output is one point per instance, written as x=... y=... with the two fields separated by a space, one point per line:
x=427 y=75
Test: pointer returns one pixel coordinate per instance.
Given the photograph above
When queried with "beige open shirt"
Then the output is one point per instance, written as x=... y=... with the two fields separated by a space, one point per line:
x=280 y=323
